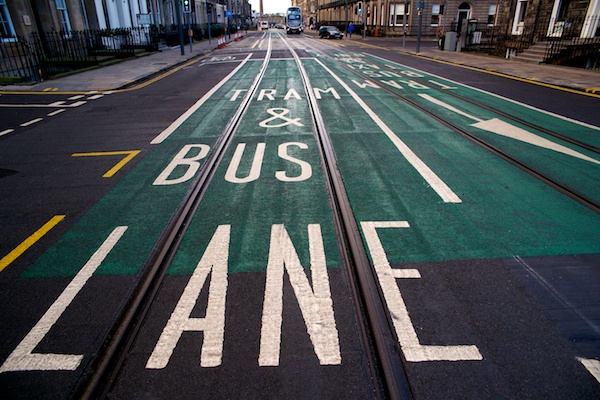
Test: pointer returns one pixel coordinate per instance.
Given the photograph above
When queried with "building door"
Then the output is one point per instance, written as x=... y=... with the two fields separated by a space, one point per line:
x=519 y=22
x=464 y=13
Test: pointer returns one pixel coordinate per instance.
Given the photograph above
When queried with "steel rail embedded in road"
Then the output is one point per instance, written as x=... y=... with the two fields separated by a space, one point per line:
x=562 y=188
x=108 y=364
x=394 y=377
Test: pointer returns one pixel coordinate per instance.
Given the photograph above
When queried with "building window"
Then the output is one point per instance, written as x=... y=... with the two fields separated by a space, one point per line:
x=397 y=12
x=7 y=30
x=63 y=16
x=436 y=11
x=491 y=15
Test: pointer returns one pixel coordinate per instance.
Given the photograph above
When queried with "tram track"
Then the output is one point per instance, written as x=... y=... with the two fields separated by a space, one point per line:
x=508 y=116
x=536 y=173
x=385 y=362
x=395 y=381
x=108 y=364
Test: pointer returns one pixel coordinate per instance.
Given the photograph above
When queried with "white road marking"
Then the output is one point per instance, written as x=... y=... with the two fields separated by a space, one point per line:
x=502 y=128
x=413 y=350
x=434 y=181
x=593 y=366
x=23 y=358
x=213 y=261
x=6 y=132
x=315 y=303
x=33 y=121
x=53 y=113
x=177 y=123
x=495 y=95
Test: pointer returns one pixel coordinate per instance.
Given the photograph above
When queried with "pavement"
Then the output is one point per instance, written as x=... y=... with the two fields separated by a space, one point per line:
x=129 y=72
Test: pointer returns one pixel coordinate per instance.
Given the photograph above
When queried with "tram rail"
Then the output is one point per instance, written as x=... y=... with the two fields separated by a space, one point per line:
x=508 y=116
x=108 y=364
x=555 y=184
x=386 y=368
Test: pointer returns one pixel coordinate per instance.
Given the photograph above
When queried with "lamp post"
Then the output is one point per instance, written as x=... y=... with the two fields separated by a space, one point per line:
x=420 y=7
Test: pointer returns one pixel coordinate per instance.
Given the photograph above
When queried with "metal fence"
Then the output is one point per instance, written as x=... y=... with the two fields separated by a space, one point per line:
x=50 y=53
x=17 y=61
x=573 y=42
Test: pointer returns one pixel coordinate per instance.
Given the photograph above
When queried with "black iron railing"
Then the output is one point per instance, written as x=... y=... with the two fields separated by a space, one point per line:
x=47 y=54
x=573 y=42
x=17 y=61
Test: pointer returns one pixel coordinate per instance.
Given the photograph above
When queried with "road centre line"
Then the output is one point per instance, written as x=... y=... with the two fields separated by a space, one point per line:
x=434 y=181
x=23 y=358
x=490 y=93
x=53 y=113
x=33 y=121
x=6 y=132
x=167 y=132
x=52 y=105
x=30 y=241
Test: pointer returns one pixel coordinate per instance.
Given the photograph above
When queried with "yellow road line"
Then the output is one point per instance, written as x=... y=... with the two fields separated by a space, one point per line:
x=130 y=154
x=30 y=241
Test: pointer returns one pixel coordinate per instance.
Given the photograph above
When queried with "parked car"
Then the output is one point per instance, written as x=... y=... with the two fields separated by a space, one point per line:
x=330 y=32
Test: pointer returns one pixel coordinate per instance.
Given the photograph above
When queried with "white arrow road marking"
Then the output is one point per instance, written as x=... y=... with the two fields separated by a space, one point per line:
x=502 y=128
x=593 y=366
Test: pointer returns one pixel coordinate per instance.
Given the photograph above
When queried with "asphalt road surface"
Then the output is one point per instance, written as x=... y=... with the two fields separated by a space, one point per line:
x=298 y=218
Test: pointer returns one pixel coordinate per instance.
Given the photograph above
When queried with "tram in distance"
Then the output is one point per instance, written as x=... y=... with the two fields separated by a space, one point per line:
x=293 y=20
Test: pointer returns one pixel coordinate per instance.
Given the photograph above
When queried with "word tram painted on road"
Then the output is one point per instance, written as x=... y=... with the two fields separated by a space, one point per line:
x=271 y=94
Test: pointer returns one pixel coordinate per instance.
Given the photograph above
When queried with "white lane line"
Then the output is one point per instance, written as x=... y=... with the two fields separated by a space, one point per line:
x=23 y=358
x=95 y=97
x=53 y=113
x=79 y=96
x=52 y=105
x=434 y=181
x=6 y=132
x=177 y=123
x=33 y=121
x=490 y=94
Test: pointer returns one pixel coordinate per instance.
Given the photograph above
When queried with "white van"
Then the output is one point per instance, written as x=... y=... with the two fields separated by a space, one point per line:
x=264 y=25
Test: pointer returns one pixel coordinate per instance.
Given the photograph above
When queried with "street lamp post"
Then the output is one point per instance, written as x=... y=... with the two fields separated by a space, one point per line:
x=420 y=7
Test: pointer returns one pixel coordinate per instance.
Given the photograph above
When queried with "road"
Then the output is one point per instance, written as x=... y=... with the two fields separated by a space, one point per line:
x=291 y=217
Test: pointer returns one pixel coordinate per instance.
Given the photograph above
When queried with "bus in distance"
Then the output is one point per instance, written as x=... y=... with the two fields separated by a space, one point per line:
x=293 y=20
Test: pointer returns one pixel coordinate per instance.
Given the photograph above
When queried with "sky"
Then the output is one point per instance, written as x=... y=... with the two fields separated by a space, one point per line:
x=271 y=6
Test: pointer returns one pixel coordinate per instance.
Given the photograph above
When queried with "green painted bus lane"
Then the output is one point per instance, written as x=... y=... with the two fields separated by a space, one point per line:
x=261 y=257
x=573 y=129
x=145 y=199
x=271 y=174
x=567 y=163
x=502 y=210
